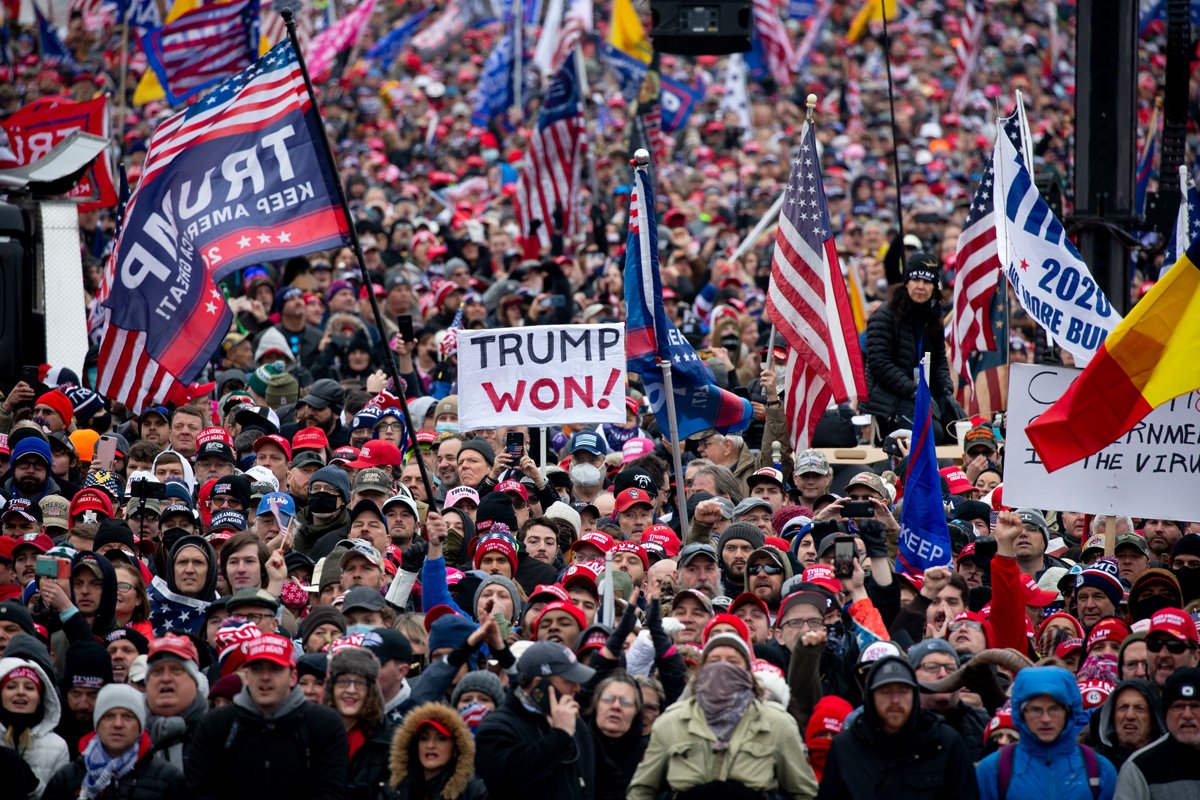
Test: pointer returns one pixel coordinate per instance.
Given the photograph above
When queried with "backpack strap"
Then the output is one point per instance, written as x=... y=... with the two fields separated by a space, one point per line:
x=1093 y=769
x=1004 y=773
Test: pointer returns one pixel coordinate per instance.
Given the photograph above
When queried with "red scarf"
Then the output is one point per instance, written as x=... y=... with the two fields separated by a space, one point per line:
x=357 y=740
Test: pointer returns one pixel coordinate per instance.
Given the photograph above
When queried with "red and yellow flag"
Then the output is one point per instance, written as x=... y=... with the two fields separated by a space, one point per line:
x=1152 y=356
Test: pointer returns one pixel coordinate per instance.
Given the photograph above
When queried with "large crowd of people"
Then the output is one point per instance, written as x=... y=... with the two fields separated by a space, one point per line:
x=275 y=591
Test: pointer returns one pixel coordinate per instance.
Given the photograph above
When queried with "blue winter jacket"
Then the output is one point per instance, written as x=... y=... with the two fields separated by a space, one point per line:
x=1055 y=771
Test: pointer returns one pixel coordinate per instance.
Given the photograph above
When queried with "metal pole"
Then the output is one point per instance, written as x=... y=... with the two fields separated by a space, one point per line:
x=121 y=116
x=393 y=367
x=676 y=454
x=887 y=60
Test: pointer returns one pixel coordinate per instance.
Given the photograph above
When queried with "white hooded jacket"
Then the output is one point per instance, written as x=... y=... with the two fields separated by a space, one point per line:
x=47 y=752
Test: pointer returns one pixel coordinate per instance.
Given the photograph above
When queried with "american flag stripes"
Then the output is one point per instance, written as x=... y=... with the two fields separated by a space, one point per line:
x=576 y=23
x=550 y=180
x=203 y=47
x=966 y=49
x=323 y=50
x=808 y=302
x=274 y=29
x=977 y=272
x=775 y=41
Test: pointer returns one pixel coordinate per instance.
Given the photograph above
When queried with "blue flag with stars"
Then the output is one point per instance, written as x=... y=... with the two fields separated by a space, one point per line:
x=651 y=339
x=170 y=611
x=1187 y=222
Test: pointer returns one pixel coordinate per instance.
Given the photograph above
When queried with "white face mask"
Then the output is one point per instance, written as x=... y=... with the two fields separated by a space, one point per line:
x=585 y=475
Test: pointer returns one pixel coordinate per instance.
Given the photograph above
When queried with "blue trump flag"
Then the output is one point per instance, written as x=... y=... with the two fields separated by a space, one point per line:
x=924 y=539
x=650 y=337
x=392 y=45
x=494 y=93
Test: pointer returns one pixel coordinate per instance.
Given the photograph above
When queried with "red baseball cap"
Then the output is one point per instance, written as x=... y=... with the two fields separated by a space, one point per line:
x=7 y=543
x=377 y=453
x=956 y=479
x=436 y=613
x=663 y=536
x=597 y=539
x=310 y=438
x=749 y=599
x=343 y=455
x=172 y=644
x=543 y=591
x=631 y=497
x=1108 y=630
x=1068 y=646
x=632 y=547
x=91 y=499
x=587 y=572
x=1174 y=623
x=516 y=487
x=558 y=605
x=270 y=647
x=437 y=726
x=40 y=541
x=277 y=440
x=822 y=575
x=214 y=434
x=1038 y=597
x=730 y=620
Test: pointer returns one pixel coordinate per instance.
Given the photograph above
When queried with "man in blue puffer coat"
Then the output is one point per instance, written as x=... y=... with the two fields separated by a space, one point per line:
x=1048 y=762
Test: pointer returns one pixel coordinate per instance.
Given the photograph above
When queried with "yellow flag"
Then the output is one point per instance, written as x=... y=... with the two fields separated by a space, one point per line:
x=872 y=11
x=627 y=34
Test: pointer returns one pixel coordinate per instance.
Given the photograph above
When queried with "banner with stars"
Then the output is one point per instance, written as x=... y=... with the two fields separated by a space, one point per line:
x=238 y=178
x=174 y=612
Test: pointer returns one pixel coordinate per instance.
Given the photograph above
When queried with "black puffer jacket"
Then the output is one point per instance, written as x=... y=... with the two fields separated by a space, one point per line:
x=892 y=358
x=151 y=779
x=925 y=759
x=297 y=750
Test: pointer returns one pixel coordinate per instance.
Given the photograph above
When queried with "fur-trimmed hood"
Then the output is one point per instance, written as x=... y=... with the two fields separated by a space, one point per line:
x=464 y=745
x=344 y=325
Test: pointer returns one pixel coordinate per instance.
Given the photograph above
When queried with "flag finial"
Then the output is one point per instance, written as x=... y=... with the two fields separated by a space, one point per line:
x=641 y=157
x=811 y=102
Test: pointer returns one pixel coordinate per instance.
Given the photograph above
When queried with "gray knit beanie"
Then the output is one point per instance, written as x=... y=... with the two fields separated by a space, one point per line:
x=479 y=681
x=335 y=477
x=513 y=592
x=744 y=531
x=120 y=695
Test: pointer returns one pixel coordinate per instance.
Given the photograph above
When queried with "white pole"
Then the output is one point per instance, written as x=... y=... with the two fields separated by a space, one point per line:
x=676 y=450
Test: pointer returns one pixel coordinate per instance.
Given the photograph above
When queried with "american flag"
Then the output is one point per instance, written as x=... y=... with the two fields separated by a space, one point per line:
x=449 y=343
x=987 y=391
x=977 y=271
x=203 y=47
x=966 y=49
x=808 y=302
x=170 y=611
x=576 y=22
x=1187 y=221
x=551 y=171
x=147 y=358
x=274 y=29
x=776 y=43
x=96 y=14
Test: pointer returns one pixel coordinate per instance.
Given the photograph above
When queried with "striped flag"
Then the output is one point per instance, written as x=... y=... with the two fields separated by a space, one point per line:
x=576 y=23
x=808 y=302
x=966 y=48
x=449 y=344
x=203 y=47
x=816 y=25
x=774 y=37
x=274 y=29
x=984 y=391
x=239 y=178
x=1187 y=222
x=977 y=272
x=325 y=47
x=551 y=171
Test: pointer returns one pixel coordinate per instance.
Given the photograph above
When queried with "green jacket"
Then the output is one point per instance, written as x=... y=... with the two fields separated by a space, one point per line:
x=766 y=754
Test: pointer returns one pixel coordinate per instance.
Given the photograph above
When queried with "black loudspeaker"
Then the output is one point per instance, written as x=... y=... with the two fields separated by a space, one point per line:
x=18 y=337
x=702 y=28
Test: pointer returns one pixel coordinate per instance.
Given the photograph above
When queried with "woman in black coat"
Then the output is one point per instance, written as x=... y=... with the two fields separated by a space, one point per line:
x=899 y=333
x=433 y=757
x=615 y=718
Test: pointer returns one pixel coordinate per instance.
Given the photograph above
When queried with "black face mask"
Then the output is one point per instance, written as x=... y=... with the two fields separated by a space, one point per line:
x=322 y=503
x=1145 y=607
x=1189 y=582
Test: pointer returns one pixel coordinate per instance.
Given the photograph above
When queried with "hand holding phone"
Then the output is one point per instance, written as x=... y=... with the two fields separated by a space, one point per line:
x=514 y=445
x=843 y=556
x=106 y=452
x=858 y=509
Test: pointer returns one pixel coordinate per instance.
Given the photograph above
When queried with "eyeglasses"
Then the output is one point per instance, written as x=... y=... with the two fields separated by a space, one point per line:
x=968 y=624
x=1173 y=646
x=763 y=569
x=619 y=699
x=350 y=683
x=936 y=669
x=389 y=426
x=255 y=617
x=124 y=587
x=812 y=624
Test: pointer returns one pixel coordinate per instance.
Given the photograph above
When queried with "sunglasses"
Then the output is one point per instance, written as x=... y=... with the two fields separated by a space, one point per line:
x=763 y=569
x=1173 y=646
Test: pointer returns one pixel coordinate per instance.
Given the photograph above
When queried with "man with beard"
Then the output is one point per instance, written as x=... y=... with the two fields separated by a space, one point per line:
x=402 y=515
x=736 y=544
x=931 y=660
x=87 y=668
x=894 y=736
x=321 y=408
x=698 y=569
x=30 y=466
x=1161 y=536
x=214 y=456
x=446 y=466
x=1170 y=767
x=766 y=571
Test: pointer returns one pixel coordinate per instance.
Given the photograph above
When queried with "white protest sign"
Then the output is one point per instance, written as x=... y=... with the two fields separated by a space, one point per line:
x=1051 y=280
x=1151 y=471
x=541 y=375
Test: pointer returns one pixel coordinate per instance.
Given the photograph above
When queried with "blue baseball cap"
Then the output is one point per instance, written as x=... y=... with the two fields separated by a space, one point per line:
x=588 y=441
x=279 y=504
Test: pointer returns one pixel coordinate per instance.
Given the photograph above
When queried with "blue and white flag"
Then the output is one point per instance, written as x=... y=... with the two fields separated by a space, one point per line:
x=924 y=539
x=1051 y=280
x=494 y=93
x=1187 y=221
x=174 y=612
x=392 y=45
x=678 y=100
